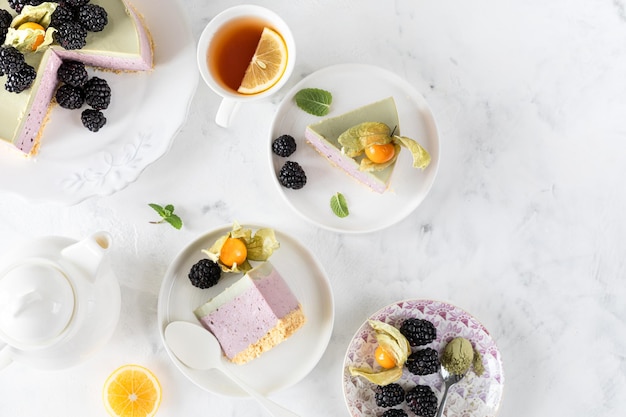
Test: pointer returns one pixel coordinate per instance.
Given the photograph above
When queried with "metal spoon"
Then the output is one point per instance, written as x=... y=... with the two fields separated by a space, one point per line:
x=449 y=380
x=197 y=348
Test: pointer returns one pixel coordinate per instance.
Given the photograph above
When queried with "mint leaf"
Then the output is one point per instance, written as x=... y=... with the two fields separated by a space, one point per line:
x=167 y=215
x=175 y=221
x=338 y=205
x=314 y=101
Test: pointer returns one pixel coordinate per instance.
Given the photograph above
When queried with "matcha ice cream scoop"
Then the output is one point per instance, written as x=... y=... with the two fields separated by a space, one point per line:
x=458 y=356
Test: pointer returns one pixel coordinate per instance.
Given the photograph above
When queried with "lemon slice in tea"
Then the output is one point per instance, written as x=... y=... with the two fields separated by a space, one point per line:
x=267 y=65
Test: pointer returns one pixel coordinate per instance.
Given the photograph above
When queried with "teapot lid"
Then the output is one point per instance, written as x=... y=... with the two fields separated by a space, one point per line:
x=36 y=304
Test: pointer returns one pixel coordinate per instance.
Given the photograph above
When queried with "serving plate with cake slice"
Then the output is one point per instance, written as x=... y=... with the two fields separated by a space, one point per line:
x=144 y=52
x=376 y=199
x=289 y=294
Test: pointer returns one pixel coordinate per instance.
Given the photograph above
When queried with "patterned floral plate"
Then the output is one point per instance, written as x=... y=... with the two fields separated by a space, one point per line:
x=475 y=396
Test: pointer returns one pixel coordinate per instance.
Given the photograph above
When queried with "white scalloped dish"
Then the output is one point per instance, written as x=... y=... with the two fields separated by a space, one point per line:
x=147 y=110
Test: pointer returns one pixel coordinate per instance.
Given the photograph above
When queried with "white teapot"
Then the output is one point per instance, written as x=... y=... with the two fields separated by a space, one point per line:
x=59 y=301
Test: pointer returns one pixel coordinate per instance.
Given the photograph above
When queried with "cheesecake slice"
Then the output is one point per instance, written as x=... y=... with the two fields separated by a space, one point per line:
x=123 y=45
x=324 y=135
x=253 y=315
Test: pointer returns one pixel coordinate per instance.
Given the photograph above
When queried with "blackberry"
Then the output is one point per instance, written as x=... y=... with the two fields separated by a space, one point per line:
x=93 y=17
x=61 y=14
x=205 y=273
x=72 y=73
x=76 y=3
x=70 y=35
x=5 y=22
x=97 y=93
x=394 y=412
x=70 y=97
x=284 y=145
x=19 y=81
x=11 y=60
x=423 y=362
x=418 y=332
x=18 y=5
x=93 y=119
x=422 y=401
x=292 y=175
x=389 y=395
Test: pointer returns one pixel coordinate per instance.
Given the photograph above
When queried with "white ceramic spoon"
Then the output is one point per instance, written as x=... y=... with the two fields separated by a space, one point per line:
x=197 y=348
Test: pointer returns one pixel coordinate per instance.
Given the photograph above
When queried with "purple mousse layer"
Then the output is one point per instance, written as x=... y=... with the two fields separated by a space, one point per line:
x=48 y=81
x=249 y=316
x=349 y=165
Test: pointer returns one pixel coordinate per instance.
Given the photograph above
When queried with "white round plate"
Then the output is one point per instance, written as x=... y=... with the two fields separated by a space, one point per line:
x=147 y=110
x=353 y=86
x=285 y=364
x=474 y=396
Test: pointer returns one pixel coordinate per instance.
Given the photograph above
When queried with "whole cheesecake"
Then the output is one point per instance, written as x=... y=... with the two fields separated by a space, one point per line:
x=253 y=315
x=123 y=45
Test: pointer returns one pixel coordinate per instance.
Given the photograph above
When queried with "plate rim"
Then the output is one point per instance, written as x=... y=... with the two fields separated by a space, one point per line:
x=353 y=66
x=166 y=284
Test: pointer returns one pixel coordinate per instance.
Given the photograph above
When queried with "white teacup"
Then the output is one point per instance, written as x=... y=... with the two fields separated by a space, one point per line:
x=215 y=71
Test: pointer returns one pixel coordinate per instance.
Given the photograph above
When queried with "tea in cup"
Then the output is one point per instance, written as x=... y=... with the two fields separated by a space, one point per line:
x=245 y=53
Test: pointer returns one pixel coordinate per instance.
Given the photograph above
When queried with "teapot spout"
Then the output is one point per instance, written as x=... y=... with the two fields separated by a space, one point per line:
x=88 y=253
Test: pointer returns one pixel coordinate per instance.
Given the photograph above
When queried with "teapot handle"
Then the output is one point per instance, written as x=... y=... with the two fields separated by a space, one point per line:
x=5 y=357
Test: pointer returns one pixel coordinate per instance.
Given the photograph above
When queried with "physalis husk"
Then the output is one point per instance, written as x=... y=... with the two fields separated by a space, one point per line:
x=354 y=141
x=259 y=246
x=394 y=343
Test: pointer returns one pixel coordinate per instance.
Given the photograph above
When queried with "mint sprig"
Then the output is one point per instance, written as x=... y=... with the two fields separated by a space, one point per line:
x=339 y=206
x=314 y=101
x=167 y=215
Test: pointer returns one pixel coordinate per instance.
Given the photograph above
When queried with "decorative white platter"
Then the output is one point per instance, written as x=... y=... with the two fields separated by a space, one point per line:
x=474 y=396
x=353 y=86
x=285 y=364
x=146 y=112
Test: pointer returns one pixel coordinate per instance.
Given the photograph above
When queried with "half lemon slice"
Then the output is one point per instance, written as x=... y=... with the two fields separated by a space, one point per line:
x=267 y=65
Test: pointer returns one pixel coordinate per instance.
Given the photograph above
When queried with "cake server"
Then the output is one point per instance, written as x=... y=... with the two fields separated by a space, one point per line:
x=197 y=348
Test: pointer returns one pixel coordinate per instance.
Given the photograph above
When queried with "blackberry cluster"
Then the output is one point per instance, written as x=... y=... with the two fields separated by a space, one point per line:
x=394 y=412
x=18 y=5
x=284 y=145
x=92 y=17
x=292 y=175
x=20 y=75
x=205 y=273
x=97 y=93
x=70 y=35
x=74 y=19
x=422 y=401
x=77 y=89
x=5 y=22
x=73 y=73
x=418 y=332
x=70 y=97
x=61 y=14
x=423 y=362
x=93 y=119
x=389 y=395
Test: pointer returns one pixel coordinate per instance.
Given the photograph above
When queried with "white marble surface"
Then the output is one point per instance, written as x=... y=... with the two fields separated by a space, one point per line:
x=524 y=227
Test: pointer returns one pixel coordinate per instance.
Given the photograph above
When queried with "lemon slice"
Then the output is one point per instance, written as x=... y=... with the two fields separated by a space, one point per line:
x=132 y=391
x=267 y=65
